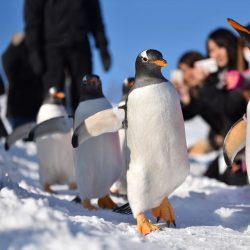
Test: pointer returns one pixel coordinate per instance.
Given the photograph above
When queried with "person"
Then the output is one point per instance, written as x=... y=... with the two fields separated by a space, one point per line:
x=24 y=86
x=58 y=40
x=222 y=45
x=220 y=107
x=240 y=79
x=191 y=101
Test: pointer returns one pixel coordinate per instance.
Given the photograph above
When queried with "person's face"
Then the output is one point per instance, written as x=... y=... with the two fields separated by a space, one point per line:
x=191 y=75
x=218 y=53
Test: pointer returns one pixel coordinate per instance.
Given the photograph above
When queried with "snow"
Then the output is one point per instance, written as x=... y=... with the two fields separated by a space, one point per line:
x=210 y=214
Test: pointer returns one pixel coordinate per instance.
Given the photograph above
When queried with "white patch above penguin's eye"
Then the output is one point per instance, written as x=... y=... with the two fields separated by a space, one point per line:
x=144 y=54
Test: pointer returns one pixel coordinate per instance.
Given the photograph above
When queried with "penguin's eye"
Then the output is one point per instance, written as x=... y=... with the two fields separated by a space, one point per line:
x=144 y=59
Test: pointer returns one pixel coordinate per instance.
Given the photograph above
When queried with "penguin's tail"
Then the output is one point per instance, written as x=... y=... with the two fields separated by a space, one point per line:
x=124 y=209
x=77 y=199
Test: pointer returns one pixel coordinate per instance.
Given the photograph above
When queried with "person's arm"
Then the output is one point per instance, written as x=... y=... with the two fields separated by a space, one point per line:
x=33 y=18
x=189 y=111
x=198 y=107
x=97 y=28
x=230 y=103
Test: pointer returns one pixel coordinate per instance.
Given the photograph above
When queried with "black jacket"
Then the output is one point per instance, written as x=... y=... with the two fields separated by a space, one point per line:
x=219 y=107
x=25 y=88
x=62 y=22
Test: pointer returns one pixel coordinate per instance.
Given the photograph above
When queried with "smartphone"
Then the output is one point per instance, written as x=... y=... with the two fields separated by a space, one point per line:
x=176 y=76
x=208 y=64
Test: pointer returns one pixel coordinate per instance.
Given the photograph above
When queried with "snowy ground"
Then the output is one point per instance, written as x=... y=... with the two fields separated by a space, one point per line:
x=210 y=215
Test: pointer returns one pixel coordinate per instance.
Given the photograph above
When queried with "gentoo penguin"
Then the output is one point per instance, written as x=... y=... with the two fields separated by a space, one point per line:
x=52 y=134
x=120 y=186
x=155 y=138
x=237 y=141
x=98 y=160
x=238 y=137
x=54 y=151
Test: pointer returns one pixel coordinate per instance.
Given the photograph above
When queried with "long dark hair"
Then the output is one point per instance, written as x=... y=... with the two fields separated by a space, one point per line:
x=190 y=57
x=226 y=39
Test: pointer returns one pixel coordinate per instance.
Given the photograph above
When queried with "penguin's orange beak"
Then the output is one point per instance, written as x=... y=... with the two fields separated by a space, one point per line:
x=59 y=95
x=238 y=26
x=160 y=62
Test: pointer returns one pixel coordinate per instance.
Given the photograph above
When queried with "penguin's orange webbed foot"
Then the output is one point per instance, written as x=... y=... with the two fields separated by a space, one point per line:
x=144 y=225
x=165 y=212
x=47 y=188
x=87 y=204
x=106 y=202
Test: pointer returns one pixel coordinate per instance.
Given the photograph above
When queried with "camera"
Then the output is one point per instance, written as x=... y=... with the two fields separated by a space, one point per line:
x=208 y=64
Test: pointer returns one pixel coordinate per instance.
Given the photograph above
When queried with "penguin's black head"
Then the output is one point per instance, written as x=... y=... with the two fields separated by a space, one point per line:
x=91 y=87
x=148 y=64
x=128 y=83
x=55 y=96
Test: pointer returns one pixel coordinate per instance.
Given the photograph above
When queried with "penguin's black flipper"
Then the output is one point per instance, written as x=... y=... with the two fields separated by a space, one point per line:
x=106 y=121
x=124 y=209
x=242 y=30
x=3 y=131
x=19 y=133
x=234 y=141
x=61 y=124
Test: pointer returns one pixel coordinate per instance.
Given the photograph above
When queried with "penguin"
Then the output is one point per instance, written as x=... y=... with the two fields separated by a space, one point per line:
x=238 y=136
x=237 y=141
x=156 y=140
x=98 y=160
x=54 y=151
x=52 y=134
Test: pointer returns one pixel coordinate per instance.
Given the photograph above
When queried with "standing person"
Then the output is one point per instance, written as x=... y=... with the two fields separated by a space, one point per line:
x=24 y=92
x=57 y=38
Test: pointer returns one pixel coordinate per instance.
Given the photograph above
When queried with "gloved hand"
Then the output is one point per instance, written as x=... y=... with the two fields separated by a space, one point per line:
x=106 y=58
x=36 y=62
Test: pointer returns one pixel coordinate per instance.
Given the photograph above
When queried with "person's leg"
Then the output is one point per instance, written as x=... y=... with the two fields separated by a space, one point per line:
x=80 y=63
x=54 y=74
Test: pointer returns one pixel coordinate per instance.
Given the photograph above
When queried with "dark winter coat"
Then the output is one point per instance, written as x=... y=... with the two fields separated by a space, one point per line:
x=62 y=22
x=24 y=87
x=219 y=107
x=58 y=42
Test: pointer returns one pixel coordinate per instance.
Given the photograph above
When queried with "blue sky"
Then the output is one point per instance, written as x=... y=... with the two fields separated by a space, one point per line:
x=171 y=26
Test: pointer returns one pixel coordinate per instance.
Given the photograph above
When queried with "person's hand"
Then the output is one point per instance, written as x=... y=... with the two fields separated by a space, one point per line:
x=36 y=63
x=201 y=73
x=106 y=58
x=184 y=94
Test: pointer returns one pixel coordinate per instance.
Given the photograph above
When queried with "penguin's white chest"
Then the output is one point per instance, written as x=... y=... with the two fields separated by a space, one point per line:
x=98 y=160
x=55 y=153
x=157 y=145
